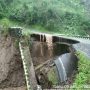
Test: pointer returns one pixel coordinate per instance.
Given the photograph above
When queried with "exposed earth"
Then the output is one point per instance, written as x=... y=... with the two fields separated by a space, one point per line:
x=11 y=68
x=14 y=88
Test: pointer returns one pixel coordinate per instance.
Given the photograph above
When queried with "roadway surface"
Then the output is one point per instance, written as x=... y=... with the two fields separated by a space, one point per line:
x=83 y=46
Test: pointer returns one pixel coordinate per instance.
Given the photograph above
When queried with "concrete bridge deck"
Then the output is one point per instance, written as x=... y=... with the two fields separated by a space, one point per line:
x=81 y=39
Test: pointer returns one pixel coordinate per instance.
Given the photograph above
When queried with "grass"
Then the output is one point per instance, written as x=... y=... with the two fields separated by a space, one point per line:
x=52 y=77
x=83 y=76
x=28 y=29
x=60 y=16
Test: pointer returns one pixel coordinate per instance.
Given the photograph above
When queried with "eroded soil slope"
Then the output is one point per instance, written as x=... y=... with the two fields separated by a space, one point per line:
x=11 y=68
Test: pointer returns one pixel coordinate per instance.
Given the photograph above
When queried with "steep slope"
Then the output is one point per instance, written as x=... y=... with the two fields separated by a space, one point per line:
x=11 y=69
x=63 y=16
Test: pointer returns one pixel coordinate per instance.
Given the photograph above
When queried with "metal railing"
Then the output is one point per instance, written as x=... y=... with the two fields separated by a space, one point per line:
x=75 y=36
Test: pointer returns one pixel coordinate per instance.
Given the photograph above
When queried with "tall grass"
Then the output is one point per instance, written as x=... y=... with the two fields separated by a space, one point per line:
x=82 y=80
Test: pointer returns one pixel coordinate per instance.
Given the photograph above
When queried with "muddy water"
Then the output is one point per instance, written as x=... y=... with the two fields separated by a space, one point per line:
x=42 y=52
x=43 y=55
x=49 y=42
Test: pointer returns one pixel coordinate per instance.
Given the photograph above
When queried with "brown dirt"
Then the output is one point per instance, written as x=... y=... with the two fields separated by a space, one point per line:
x=15 y=88
x=40 y=53
x=43 y=63
x=11 y=68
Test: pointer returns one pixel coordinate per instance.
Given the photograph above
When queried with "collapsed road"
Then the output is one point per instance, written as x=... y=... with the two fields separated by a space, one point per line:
x=41 y=59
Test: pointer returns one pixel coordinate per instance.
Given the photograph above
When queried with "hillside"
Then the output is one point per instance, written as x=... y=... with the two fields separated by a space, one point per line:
x=44 y=44
x=61 y=16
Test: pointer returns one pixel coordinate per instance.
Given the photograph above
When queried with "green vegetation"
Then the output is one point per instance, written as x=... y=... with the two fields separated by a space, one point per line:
x=5 y=23
x=52 y=76
x=51 y=16
x=59 y=16
x=83 y=76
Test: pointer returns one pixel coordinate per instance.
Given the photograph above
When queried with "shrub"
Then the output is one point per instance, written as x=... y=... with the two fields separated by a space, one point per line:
x=5 y=24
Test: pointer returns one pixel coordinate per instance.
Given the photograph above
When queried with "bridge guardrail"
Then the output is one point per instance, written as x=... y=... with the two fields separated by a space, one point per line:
x=84 y=37
x=76 y=36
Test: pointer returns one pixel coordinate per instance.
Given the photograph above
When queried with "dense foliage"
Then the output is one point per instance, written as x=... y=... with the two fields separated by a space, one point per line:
x=65 y=16
x=83 y=76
